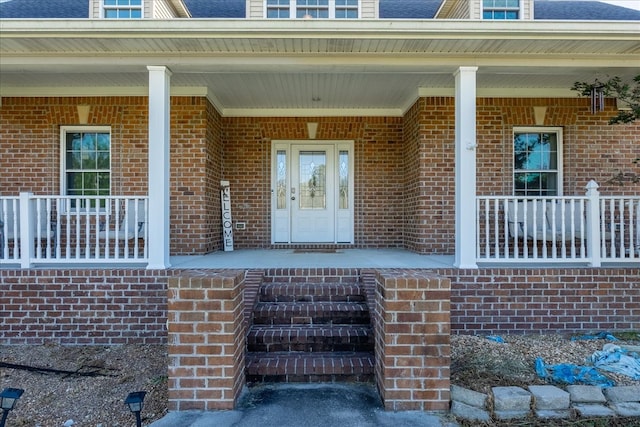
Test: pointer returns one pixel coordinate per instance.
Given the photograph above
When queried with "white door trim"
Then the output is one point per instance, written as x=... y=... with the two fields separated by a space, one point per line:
x=281 y=209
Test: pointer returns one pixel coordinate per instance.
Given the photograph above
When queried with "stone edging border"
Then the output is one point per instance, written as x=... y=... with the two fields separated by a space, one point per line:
x=546 y=402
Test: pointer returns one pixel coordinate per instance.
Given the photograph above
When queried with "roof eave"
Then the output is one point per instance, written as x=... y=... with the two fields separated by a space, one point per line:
x=356 y=29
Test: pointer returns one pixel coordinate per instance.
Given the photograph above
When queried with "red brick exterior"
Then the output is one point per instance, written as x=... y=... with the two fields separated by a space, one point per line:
x=207 y=340
x=413 y=314
x=404 y=167
x=539 y=300
x=83 y=306
x=412 y=340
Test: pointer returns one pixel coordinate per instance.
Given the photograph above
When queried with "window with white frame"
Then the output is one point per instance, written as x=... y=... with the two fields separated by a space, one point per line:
x=122 y=9
x=347 y=9
x=500 y=9
x=537 y=161
x=86 y=161
x=316 y=9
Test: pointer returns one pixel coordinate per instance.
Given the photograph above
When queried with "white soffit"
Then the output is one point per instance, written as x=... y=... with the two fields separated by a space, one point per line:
x=315 y=68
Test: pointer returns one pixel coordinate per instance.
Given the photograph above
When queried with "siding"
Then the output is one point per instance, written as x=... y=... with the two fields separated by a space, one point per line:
x=369 y=9
x=255 y=9
x=162 y=10
x=455 y=9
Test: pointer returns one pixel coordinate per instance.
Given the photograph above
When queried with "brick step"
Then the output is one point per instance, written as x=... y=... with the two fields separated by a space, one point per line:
x=310 y=367
x=311 y=292
x=287 y=313
x=312 y=275
x=310 y=338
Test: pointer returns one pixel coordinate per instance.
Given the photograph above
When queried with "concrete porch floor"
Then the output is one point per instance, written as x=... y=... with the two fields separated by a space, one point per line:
x=290 y=258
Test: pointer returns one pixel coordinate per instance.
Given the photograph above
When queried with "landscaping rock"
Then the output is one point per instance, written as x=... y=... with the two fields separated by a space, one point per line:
x=469 y=397
x=469 y=412
x=586 y=394
x=549 y=397
x=546 y=414
x=511 y=399
x=628 y=393
x=509 y=415
x=626 y=409
x=593 y=410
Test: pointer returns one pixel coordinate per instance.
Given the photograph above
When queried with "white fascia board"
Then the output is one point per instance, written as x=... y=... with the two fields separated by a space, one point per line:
x=312 y=112
x=17 y=91
x=503 y=92
x=304 y=29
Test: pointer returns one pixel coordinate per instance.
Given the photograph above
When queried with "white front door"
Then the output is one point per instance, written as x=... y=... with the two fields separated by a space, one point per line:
x=312 y=192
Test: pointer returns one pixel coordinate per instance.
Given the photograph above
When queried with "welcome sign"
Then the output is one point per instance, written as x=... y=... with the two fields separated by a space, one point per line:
x=227 y=223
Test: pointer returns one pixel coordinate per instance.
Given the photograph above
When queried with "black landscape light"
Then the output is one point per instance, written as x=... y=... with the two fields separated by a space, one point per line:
x=135 y=402
x=8 y=399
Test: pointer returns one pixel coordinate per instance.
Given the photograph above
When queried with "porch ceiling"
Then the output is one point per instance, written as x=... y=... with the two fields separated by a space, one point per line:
x=311 y=67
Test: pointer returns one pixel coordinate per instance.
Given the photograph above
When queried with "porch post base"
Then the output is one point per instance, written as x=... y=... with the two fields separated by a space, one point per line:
x=412 y=342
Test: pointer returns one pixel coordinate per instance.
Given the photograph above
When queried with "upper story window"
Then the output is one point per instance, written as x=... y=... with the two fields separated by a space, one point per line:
x=122 y=9
x=500 y=9
x=317 y=9
x=537 y=162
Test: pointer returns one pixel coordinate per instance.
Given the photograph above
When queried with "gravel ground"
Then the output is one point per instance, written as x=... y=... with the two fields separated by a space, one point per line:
x=93 y=395
x=78 y=400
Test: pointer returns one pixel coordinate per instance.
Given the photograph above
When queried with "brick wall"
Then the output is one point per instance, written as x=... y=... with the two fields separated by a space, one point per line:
x=412 y=343
x=378 y=181
x=593 y=149
x=429 y=173
x=207 y=340
x=404 y=167
x=537 y=300
x=83 y=306
x=206 y=312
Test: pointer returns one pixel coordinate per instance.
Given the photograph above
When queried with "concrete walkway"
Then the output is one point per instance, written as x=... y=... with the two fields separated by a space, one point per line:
x=309 y=405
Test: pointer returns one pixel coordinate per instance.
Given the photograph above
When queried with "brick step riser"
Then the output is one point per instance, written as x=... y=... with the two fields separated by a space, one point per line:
x=310 y=338
x=312 y=298
x=311 y=314
x=317 y=319
x=346 y=378
x=290 y=292
x=309 y=364
x=310 y=347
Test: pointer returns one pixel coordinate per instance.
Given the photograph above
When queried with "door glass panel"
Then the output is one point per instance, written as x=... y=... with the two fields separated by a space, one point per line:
x=313 y=180
x=281 y=179
x=344 y=180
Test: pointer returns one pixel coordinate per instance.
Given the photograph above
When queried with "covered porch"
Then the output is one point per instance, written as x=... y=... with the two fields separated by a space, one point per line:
x=430 y=152
x=590 y=230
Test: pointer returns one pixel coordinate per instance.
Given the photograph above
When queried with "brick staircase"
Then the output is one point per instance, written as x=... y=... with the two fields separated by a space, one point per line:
x=310 y=325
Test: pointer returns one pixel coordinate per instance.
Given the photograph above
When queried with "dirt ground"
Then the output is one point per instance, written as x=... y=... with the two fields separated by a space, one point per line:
x=91 y=391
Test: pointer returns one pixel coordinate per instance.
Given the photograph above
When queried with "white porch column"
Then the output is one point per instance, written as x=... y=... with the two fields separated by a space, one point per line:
x=465 y=141
x=159 y=129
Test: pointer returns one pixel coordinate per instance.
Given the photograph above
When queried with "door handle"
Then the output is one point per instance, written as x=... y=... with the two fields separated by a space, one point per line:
x=293 y=197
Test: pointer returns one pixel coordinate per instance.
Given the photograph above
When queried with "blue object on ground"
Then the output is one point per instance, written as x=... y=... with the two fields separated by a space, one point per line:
x=566 y=373
x=598 y=336
x=496 y=338
x=614 y=359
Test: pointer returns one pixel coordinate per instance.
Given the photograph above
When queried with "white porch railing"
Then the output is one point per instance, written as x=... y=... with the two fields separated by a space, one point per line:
x=63 y=229
x=587 y=229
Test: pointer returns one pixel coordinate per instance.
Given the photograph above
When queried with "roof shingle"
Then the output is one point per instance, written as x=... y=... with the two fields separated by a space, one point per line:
x=389 y=9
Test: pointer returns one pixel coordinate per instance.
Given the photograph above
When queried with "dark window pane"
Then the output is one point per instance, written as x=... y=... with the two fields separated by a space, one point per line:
x=103 y=160
x=103 y=181
x=89 y=160
x=90 y=181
